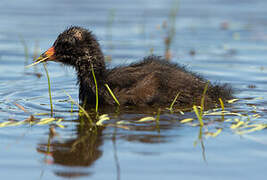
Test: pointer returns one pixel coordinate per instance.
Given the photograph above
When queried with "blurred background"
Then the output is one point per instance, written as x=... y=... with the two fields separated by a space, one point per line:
x=223 y=40
x=205 y=35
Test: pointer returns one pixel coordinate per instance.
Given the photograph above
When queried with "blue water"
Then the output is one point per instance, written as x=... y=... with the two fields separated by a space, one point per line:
x=229 y=39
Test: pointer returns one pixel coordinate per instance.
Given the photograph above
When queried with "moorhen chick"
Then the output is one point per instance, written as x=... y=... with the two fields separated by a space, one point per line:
x=150 y=82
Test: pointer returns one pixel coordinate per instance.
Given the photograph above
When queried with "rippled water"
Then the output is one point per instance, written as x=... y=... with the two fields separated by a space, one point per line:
x=229 y=39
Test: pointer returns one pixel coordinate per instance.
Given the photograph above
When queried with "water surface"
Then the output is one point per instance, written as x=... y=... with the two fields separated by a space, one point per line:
x=229 y=39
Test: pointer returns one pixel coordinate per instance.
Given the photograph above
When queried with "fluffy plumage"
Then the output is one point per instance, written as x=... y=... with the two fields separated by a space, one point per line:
x=150 y=82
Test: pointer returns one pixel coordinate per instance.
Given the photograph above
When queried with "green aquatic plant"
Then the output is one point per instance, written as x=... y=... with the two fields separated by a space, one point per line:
x=49 y=89
x=26 y=49
x=96 y=89
x=199 y=116
x=33 y=121
x=80 y=108
x=157 y=120
x=112 y=94
x=101 y=119
x=186 y=120
x=222 y=106
x=240 y=122
x=35 y=54
x=173 y=102
x=221 y=103
x=171 y=29
x=146 y=119
x=202 y=105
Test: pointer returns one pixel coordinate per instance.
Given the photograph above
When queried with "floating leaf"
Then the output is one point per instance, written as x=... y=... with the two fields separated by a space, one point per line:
x=16 y=123
x=256 y=116
x=123 y=127
x=59 y=120
x=119 y=126
x=122 y=122
x=102 y=118
x=46 y=121
x=181 y=112
x=215 y=134
x=258 y=98
x=149 y=118
x=234 y=126
x=232 y=101
x=223 y=113
x=21 y=107
x=186 y=120
x=61 y=126
x=257 y=128
x=194 y=124
x=41 y=114
x=228 y=120
x=3 y=124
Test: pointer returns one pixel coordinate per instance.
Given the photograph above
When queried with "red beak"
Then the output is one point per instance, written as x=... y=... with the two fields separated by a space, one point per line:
x=48 y=55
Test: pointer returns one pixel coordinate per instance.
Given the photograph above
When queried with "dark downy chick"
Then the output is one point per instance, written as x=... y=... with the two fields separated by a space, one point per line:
x=150 y=82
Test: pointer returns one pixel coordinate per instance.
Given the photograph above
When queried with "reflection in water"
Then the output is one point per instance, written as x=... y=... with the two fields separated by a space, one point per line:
x=200 y=139
x=118 y=169
x=81 y=151
x=84 y=149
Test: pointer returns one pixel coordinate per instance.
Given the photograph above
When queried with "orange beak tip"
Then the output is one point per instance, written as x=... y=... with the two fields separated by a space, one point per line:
x=48 y=55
